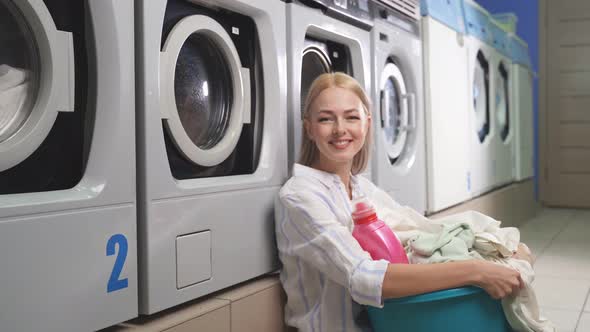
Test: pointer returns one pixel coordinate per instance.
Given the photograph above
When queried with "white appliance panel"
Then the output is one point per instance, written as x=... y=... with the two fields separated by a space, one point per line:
x=447 y=117
x=70 y=248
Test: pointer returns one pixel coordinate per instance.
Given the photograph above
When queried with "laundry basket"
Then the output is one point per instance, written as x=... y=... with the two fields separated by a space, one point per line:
x=465 y=309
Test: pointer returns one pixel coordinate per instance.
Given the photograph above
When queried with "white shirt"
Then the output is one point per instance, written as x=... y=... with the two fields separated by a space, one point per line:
x=326 y=274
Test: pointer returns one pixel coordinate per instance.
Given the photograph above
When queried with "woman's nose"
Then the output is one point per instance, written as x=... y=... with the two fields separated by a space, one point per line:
x=338 y=128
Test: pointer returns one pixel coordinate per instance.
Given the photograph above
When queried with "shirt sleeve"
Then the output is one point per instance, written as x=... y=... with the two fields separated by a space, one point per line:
x=315 y=235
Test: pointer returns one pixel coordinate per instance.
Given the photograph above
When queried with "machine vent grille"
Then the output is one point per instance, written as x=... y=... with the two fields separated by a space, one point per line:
x=409 y=8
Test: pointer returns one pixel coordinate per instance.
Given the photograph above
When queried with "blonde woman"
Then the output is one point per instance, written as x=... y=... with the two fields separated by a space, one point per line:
x=326 y=274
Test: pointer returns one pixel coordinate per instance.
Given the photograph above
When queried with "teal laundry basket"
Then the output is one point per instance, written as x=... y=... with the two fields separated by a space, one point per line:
x=465 y=309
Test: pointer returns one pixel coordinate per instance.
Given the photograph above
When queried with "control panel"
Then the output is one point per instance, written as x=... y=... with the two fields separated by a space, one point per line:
x=356 y=12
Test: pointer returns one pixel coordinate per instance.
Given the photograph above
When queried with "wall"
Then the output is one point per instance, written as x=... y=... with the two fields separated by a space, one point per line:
x=528 y=29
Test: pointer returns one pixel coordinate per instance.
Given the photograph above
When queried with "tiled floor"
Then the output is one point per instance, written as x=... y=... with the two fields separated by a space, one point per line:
x=560 y=238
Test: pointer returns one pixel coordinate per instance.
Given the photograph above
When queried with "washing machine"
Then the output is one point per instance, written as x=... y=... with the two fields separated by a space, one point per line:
x=211 y=144
x=399 y=163
x=504 y=137
x=481 y=81
x=445 y=104
x=325 y=36
x=522 y=108
x=67 y=165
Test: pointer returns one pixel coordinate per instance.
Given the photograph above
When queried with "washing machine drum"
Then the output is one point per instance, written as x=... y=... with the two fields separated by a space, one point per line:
x=395 y=114
x=314 y=62
x=480 y=94
x=502 y=102
x=34 y=85
x=205 y=92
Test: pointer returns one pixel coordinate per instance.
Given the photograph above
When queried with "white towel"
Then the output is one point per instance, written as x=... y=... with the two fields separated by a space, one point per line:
x=14 y=89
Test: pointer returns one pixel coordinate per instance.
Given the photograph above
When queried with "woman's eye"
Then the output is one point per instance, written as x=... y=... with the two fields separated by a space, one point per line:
x=324 y=119
x=354 y=117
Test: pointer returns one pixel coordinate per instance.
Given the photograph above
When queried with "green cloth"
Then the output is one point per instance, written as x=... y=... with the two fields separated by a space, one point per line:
x=453 y=243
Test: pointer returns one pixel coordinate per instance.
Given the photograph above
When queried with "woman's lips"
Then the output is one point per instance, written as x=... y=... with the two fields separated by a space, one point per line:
x=340 y=144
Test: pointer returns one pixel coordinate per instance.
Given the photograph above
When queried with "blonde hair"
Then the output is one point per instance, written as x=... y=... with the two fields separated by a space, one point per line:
x=309 y=151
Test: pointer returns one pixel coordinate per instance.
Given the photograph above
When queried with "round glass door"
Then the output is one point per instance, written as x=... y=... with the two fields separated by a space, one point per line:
x=314 y=62
x=36 y=78
x=480 y=95
x=394 y=112
x=19 y=70
x=205 y=91
x=502 y=102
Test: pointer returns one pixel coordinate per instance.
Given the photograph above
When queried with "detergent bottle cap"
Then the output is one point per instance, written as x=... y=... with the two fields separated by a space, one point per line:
x=364 y=212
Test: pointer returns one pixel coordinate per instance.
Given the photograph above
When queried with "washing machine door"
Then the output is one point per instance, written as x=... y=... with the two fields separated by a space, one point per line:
x=480 y=97
x=204 y=90
x=502 y=102
x=36 y=77
x=315 y=61
x=397 y=119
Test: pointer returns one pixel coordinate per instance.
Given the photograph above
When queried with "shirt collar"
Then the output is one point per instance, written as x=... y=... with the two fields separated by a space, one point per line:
x=326 y=178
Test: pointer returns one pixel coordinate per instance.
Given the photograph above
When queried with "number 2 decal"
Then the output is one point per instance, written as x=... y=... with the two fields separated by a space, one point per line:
x=114 y=283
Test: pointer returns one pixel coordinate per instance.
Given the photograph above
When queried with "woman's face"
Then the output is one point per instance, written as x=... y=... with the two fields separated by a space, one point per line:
x=337 y=124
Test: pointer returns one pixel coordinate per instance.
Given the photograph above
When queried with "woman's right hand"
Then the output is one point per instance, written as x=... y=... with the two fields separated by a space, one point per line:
x=497 y=280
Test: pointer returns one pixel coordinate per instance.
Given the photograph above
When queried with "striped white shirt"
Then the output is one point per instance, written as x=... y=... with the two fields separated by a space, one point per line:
x=326 y=274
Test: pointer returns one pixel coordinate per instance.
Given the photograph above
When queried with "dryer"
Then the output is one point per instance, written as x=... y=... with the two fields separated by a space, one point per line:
x=399 y=163
x=504 y=137
x=522 y=108
x=324 y=36
x=211 y=144
x=481 y=81
x=445 y=100
x=67 y=165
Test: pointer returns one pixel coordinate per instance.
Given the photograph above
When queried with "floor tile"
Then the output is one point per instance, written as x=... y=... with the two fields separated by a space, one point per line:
x=577 y=231
x=557 y=214
x=564 y=320
x=584 y=323
x=564 y=267
x=582 y=215
x=540 y=230
x=576 y=250
x=559 y=293
x=537 y=244
x=561 y=240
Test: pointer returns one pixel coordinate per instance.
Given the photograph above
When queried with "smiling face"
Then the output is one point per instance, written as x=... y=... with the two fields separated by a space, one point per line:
x=337 y=123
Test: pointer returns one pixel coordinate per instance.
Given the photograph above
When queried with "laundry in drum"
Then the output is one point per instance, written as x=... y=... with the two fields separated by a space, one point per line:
x=14 y=88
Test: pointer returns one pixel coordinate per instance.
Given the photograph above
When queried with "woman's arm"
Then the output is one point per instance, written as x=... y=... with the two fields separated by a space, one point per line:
x=309 y=230
x=411 y=279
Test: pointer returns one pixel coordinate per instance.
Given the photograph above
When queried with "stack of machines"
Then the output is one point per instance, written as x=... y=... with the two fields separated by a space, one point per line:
x=143 y=143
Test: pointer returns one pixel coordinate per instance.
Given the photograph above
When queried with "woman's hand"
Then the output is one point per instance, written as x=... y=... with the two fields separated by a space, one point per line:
x=497 y=280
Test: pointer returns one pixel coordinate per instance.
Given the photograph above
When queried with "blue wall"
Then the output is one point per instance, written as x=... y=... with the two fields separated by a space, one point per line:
x=528 y=29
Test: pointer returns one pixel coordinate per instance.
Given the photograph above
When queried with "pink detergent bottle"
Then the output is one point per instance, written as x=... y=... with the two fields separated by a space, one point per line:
x=374 y=236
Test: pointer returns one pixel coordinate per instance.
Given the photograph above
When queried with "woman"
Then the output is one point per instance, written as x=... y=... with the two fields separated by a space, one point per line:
x=326 y=274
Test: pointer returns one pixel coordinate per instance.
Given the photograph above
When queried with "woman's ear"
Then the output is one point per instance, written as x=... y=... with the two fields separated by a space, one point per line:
x=307 y=126
x=369 y=121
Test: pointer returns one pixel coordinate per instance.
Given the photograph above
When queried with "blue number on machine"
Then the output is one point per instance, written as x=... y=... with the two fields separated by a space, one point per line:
x=114 y=283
